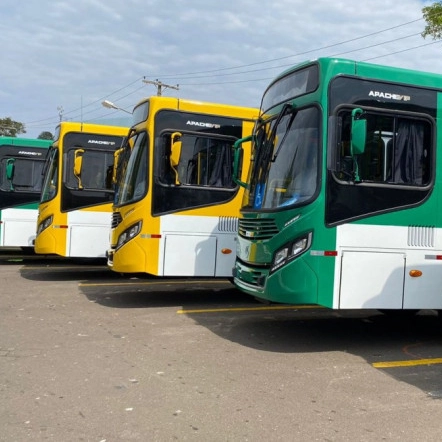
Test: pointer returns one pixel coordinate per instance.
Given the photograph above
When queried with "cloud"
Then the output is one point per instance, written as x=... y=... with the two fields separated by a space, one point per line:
x=74 y=54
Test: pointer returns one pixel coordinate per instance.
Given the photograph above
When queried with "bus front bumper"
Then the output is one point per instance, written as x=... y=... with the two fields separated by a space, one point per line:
x=130 y=258
x=295 y=283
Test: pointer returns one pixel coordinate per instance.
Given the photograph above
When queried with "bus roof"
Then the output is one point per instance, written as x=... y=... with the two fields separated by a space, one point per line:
x=183 y=103
x=25 y=142
x=335 y=66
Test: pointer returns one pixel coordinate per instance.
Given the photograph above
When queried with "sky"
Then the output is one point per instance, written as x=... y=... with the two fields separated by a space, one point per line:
x=61 y=58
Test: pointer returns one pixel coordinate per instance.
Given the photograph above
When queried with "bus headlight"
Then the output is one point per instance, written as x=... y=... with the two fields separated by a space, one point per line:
x=290 y=251
x=44 y=224
x=130 y=233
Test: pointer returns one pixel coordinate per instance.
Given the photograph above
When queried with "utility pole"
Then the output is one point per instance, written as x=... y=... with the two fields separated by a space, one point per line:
x=160 y=86
x=60 y=112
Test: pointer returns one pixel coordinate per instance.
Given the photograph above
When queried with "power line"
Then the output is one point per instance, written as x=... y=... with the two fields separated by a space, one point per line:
x=403 y=50
x=376 y=45
x=333 y=55
x=221 y=71
x=293 y=55
x=99 y=100
x=301 y=53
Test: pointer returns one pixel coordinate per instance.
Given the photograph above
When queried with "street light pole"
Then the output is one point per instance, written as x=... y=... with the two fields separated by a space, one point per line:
x=110 y=105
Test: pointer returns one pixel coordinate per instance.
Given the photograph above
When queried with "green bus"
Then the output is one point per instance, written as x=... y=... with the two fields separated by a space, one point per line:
x=21 y=165
x=342 y=206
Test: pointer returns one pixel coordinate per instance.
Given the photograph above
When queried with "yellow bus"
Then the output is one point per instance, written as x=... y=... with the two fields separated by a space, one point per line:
x=176 y=208
x=75 y=208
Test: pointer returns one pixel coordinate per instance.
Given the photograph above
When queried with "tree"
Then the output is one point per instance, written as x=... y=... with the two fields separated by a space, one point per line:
x=45 y=136
x=433 y=17
x=10 y=128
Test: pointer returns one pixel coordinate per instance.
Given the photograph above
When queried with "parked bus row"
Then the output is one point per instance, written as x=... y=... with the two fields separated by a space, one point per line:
x=334 y=180
x=158 y=199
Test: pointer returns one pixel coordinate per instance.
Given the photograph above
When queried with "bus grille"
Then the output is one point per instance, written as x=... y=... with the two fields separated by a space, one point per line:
x=258 y=279
x=228 y=224
x=116 y=219
x=257 y=228
x=253 y=277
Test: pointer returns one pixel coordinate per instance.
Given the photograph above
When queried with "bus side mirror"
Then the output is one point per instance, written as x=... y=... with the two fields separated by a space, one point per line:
x=78 y=164
x=237 y=159
x=10 y=169
x=358 y=132
x=175 y=153
x=117 y=154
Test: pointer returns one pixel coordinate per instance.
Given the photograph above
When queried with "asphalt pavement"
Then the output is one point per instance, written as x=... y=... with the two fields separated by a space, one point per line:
x=90 y=355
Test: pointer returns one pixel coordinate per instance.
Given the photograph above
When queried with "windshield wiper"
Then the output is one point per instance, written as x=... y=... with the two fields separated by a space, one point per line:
x=263 y=157
x=284 y=137
x=286 y=109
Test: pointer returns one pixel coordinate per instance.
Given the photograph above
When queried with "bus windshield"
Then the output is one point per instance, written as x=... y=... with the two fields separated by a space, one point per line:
x=26 y=176
x=285 y=167
x=134 y=178
x=49 y=189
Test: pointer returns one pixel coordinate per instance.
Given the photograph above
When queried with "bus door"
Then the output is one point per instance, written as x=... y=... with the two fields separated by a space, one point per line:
x=204 y=165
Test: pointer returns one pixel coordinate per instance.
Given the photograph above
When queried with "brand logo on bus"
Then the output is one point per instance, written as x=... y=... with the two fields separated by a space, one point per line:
x=202 y=124
x=389 y=96
x=25 y=152
x=106 y=143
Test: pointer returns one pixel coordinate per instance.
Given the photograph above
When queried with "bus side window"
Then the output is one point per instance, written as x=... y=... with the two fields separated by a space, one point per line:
x=410 y=158
x=211 y=164
x=204 y=161
x=222 y=170
x=397 y=151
